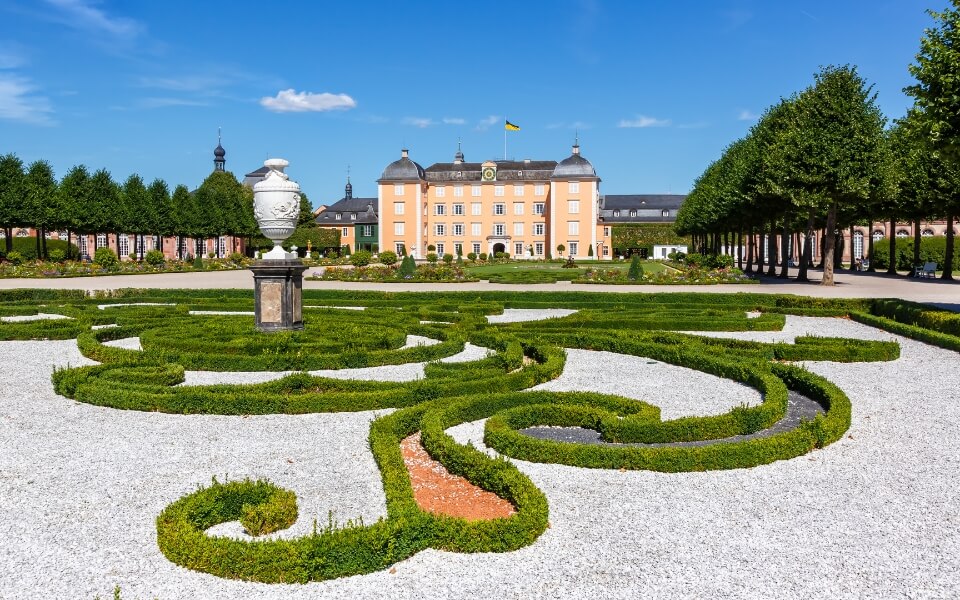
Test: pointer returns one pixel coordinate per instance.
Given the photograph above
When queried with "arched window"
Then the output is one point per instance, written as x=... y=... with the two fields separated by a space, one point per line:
x=927 y=233
x=877 y=235
x=101 y=240
x=857 y=244
x=902 y=233
x=123 y=243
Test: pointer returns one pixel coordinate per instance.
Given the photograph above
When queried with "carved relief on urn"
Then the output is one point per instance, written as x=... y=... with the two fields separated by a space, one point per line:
x=276 y=206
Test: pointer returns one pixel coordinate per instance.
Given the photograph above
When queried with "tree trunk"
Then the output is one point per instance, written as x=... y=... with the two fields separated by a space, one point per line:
x=761 y=251
x=853 y=259
x=740 y=249
x=916 y=242
x=69 y=245
x=772 y=250
x=838 y=251
x=948 y=258
x=43 y=244
x=828 y=245
x=39 y=235
x=873 y=264
x=807 y=259
x=8 y=239
x=892 y=267
x=785 y=251
x=749 y=249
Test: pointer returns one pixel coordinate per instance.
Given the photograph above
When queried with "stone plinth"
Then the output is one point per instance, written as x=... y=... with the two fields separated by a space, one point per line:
x=278 y=293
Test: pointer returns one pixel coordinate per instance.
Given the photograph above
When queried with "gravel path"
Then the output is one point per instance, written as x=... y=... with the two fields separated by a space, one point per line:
x=873 y=515
x=37 y=317
x=516 y=315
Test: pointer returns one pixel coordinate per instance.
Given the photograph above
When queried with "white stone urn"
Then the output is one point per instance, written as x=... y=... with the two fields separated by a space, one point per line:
x=276 y=206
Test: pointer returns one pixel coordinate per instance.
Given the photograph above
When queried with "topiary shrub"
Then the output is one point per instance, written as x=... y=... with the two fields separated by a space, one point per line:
x=105 y=257
x=448 y=258
x=56 y=255
x=431 y=248
x=132 y=256
x=483 y=256
x=388 y=257
x=360 y=258
x=237 y=258
x=432 y=258
x=154 y=258
x=472 y=256
x=279 y=511
x=590 y=251
x=636 y=271
x=198 y=263
x=408 y=267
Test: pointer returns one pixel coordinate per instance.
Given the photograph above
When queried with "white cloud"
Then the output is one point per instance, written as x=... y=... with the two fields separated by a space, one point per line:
x=81 y=14
x=454 y=121
x=18 y=104
x=293 y=101
x=746 y=115
x=485 y=124
x=421 y=122
x=643 y=121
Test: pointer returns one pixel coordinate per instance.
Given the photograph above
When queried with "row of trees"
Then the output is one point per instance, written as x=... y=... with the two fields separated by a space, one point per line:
x=824 y=159
x=90 y=203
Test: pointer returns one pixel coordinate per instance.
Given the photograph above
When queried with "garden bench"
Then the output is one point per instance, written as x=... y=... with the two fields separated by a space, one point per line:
x=928 y=270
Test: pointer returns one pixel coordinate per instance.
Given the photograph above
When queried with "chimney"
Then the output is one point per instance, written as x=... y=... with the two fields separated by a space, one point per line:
x=404 y=153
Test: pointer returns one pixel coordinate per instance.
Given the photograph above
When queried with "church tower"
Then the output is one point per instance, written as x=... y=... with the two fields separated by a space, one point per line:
x=219 y=155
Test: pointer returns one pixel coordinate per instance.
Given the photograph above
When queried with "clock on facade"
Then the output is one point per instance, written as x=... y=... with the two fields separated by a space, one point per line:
x=489 y=174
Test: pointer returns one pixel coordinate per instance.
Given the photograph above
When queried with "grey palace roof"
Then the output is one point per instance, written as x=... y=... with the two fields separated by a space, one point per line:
x=507 y=170
x=640 y=208
x=364 y=208
x=574 y=166
x=402 y=170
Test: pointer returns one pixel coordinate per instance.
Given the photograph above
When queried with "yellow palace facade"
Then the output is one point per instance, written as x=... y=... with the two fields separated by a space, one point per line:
x=525 y=208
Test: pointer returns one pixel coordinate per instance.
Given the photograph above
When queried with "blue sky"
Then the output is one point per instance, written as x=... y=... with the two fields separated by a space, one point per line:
x=655 y=89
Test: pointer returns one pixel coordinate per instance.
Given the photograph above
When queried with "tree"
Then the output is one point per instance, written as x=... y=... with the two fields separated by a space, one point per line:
x=11 y=196
x=99 y=212
x=937 y=95
x=137 y=206
x=306 y=212
x=159 y=219
x=40 y=189
x=185 y=216
x=74 y=194
x=837 y=141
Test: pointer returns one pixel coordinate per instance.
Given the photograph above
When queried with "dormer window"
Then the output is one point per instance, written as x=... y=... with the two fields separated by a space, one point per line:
x=616 y=213
x=336 y=217
x=633 y=213
x=353 y=216
x=666 y=213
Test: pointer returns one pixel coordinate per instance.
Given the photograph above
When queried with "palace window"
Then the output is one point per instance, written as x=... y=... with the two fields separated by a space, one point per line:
x=398 y=208
x=440 y=229
x=518 y=229
x=398 y=228
x=538 y=189
x=926 y=233
x=857 y=244
x=336 y=217
x=498 y=190
x=440 y=248
x=538 y=229
x=574 y=187
x=518 y=190
x=499 y=209
x=345 y=232
x=633 y=212
x=538 y=248
x=400 y=249
x=458 y=229
x=573 y=227
x=877 y=235
x=476 y=209
x=475 y=191
x=368 y=231
x=458 y=191
x=101 y=240
x=902 y=233
x=518 y=208
x=82 y=239
x=574 y=248
x=441 y=191
x=476 y=247
x=199 y=246
x=573 y=207
x=353 y=216
x=518 y=248
x=397 y=190
x=606 y=232
x=458 y=209
x=440 y=209
x=606 y=251
x=538 y=208
x=475 y=229
x=221 y=246
x=498 y=230
x=665 y=213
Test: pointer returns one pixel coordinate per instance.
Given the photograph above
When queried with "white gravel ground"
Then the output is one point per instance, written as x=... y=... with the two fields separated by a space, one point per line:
x=130 y=343
x=873 y=515
x=516 y=315
x=37 y=317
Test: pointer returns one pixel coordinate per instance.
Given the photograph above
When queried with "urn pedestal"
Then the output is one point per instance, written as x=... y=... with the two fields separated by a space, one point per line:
x=278 y=278
x=278 y=294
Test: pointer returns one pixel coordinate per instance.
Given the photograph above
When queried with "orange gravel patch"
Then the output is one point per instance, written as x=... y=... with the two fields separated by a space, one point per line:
x=438 y=491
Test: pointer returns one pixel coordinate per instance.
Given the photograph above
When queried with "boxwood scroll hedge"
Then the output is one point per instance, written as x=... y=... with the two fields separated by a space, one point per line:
x=495 y=388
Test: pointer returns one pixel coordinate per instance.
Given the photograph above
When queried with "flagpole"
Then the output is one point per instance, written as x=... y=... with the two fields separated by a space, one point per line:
x=504 y=140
